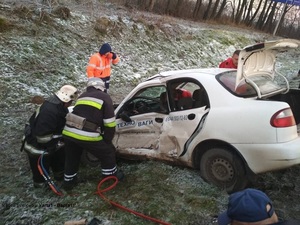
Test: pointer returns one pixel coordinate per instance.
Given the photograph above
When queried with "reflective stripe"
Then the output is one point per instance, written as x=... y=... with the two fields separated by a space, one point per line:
x=92 y=65
x=69 y=177
x=44 y=139
x=108 y=172
x=94 y=102
x=100 y=67
x=31 y=149
x=47 y=138
x=81 y=135
x=111 y=122
x=56 y=136
x=100 y=101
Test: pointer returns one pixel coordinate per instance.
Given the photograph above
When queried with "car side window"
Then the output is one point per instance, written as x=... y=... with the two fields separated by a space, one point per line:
x=186 y=94
x=145 y=101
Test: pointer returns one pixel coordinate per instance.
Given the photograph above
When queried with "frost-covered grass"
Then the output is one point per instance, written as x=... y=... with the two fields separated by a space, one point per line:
x=37 y=57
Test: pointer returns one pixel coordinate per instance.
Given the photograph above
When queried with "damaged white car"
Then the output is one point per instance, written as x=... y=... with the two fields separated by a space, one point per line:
x=228 y=124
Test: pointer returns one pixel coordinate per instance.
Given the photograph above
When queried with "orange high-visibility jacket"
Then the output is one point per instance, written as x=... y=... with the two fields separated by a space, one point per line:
x=100 y=66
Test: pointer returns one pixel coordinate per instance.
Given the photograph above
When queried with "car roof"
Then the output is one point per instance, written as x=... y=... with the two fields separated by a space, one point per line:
x=189 y=72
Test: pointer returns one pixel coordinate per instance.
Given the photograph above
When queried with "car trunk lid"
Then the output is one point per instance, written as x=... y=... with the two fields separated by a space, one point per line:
x=259 y=60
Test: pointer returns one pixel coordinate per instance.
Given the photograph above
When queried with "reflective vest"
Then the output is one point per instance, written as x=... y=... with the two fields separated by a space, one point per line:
x=100 y=66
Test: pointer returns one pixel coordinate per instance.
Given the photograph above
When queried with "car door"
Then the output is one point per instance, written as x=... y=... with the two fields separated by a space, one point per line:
x=184 y=118
x=140 y=120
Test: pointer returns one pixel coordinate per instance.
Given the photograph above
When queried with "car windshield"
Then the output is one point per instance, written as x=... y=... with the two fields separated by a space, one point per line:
x=265 y=84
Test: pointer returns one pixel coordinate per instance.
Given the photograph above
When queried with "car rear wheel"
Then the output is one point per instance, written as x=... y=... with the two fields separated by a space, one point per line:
x=89 y=159
x=224 y=169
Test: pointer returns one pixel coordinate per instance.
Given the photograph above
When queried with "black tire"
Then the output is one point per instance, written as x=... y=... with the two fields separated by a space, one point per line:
x=89 y=159
x=224 y=169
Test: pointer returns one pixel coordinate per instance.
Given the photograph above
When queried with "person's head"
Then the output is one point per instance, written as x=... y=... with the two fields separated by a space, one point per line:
x=248 y=207
x=105 y=49
x=67 y=94
x=96 y=83
x=235 y=57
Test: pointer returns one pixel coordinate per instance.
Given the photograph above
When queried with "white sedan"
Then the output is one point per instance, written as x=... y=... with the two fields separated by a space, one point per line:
x=229 y=124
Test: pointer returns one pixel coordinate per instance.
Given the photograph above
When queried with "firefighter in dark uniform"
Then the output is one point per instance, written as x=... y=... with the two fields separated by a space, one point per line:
x=90 y=126
x=44 y=134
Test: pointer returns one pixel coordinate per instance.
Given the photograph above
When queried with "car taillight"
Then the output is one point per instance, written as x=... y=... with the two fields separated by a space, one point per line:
x=283 y=118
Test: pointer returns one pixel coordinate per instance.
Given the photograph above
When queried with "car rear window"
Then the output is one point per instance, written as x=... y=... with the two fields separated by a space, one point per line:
x=265 y=84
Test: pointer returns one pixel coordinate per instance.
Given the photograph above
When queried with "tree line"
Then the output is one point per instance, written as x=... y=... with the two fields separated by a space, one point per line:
x=266 y=15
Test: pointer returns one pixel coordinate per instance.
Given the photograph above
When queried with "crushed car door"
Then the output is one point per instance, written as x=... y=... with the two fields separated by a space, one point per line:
x=185 y=116
x=145 y=116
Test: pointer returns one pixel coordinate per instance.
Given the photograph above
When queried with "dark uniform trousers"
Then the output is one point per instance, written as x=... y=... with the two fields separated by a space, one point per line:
x=55 y=161
x=106 y=153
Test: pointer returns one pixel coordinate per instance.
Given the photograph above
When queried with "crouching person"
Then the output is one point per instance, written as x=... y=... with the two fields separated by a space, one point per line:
x=90 y=126
x=44 y=135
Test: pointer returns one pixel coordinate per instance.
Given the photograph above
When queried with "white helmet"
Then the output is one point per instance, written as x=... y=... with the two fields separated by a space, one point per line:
x=67 y=93
x=96 y=83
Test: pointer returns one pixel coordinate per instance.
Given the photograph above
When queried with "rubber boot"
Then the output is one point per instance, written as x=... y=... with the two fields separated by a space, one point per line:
x=69 y=185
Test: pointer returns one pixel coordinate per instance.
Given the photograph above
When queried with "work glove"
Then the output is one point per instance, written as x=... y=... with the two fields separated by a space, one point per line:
x=114 y=55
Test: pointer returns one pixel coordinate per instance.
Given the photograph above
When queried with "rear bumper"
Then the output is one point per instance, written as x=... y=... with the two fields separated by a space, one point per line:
x=268 y=157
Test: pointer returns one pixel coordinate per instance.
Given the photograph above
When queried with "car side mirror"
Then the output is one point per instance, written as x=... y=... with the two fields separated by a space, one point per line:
x=125 y=117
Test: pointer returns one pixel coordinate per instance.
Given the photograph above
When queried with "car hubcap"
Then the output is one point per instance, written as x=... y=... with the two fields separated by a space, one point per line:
x=222 y=169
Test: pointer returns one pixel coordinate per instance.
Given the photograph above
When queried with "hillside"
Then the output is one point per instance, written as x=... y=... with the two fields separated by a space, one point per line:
x=45 y=46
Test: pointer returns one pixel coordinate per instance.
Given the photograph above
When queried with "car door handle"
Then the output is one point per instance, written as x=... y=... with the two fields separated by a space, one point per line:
x=159 y=120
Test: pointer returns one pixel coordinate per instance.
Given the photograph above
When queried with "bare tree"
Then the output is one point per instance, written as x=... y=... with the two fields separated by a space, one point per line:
x=151 y=5
x=250 y=21
x=240 y=11
x=221 y=10
x=178 y=7
x=214 y=10
x=263 y=15
x=270 y=19
x=196 y=12
x=249 y=11
x=208 y=8
x=168 y=9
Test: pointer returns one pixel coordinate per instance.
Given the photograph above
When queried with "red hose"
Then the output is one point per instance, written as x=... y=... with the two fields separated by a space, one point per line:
x=47 y=178
x=100 y=193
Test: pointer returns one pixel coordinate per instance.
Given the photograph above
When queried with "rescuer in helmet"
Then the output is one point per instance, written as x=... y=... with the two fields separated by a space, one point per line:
x=90 y=126
x=43 y=134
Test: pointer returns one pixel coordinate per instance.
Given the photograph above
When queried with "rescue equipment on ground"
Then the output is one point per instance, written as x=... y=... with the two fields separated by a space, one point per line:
x=46 y=176
x=99 y=192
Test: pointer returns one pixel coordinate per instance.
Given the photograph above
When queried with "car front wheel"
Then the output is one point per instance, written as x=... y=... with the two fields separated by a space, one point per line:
x=224 y=169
